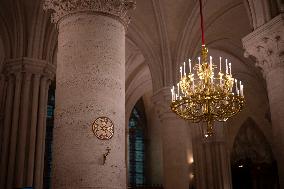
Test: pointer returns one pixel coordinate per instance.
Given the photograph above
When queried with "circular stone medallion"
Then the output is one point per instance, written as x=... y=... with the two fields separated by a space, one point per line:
x=103 y=128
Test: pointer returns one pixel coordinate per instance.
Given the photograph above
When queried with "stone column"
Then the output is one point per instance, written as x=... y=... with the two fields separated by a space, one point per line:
x=16 y=160
x=174 y=141
x=90 y=83
x=3 y=88
x=266 y=44
x=6 y=131
x=211 y=158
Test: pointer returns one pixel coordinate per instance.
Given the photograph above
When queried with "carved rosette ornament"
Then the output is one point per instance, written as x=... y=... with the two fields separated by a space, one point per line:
x=266 y=44
x=116 y=8
x=103 y=128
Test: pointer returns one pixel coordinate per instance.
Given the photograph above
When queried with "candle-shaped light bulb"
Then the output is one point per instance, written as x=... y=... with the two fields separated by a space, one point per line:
x=180 y=70
x=184 y=69
x=199 y=61
x=189 y=64
x=241 y=88
x=226 y=67
x=178 y=88
x=210 y=62
x=172 y=95
x=220 y=64
x=230 y=68
x=236 y=82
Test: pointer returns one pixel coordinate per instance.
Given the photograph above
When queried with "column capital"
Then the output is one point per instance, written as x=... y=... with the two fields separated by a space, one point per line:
x=29 y=65
x=116 y=8
x=266 y=44
x=162 y=101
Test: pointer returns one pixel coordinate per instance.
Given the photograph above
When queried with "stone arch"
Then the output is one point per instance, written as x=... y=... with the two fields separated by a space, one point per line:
x=252 y=162
x=261 y=11
x=2 y=53
x=13 y=29
x=138 y=76
x=29 y=31
x=144 y=43
x=189 y=40
x=140 y=85
x=251 y=143
x=6 y=37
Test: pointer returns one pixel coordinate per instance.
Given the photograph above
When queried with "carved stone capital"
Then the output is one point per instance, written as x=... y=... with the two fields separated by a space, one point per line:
x=29 y=65
x=116 y=8
x=266 y=44
x=162 y=101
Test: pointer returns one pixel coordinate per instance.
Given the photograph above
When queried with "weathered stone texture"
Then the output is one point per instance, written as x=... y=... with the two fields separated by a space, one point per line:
x=90 y=84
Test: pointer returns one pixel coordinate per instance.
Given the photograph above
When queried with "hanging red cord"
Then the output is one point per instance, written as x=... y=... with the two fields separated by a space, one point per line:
x=201 y=22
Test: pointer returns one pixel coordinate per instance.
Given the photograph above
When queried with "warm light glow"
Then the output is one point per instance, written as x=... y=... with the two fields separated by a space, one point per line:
x=191 y=176
x=190 y=160
x=206 y=94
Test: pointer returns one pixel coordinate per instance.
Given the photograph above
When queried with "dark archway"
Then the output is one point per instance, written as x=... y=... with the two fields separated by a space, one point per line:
x=252 y=160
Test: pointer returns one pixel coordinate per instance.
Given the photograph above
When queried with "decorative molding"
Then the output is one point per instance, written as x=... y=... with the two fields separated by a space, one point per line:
x=63 y=8
x=165 y=44
x=103 y=128
x=266 y=44
x=29 y=65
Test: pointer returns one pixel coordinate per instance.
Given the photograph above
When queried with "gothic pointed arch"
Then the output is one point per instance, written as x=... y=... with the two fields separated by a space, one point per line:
x=251 y=143
x=252 y=160
x=261 y=11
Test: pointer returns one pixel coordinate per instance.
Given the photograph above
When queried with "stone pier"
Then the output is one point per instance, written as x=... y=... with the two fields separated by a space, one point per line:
x=90 y=83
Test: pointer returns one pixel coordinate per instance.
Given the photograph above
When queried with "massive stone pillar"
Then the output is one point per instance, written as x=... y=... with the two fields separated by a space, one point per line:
x=175 y=143
x=211 y=158
x=90 y=83
x=266 y=44
x=24 y=114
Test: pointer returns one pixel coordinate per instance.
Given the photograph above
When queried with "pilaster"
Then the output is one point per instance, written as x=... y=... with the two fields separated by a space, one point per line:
x=175 y=141
x=266 y=45
x=21 y=77
x=211 y=158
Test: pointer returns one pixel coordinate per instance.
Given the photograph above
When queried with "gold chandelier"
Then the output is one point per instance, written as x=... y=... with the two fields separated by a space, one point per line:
x=205 y=94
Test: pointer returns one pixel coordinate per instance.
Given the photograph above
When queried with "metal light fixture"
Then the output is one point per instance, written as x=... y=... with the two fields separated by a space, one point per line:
x=205 y=93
